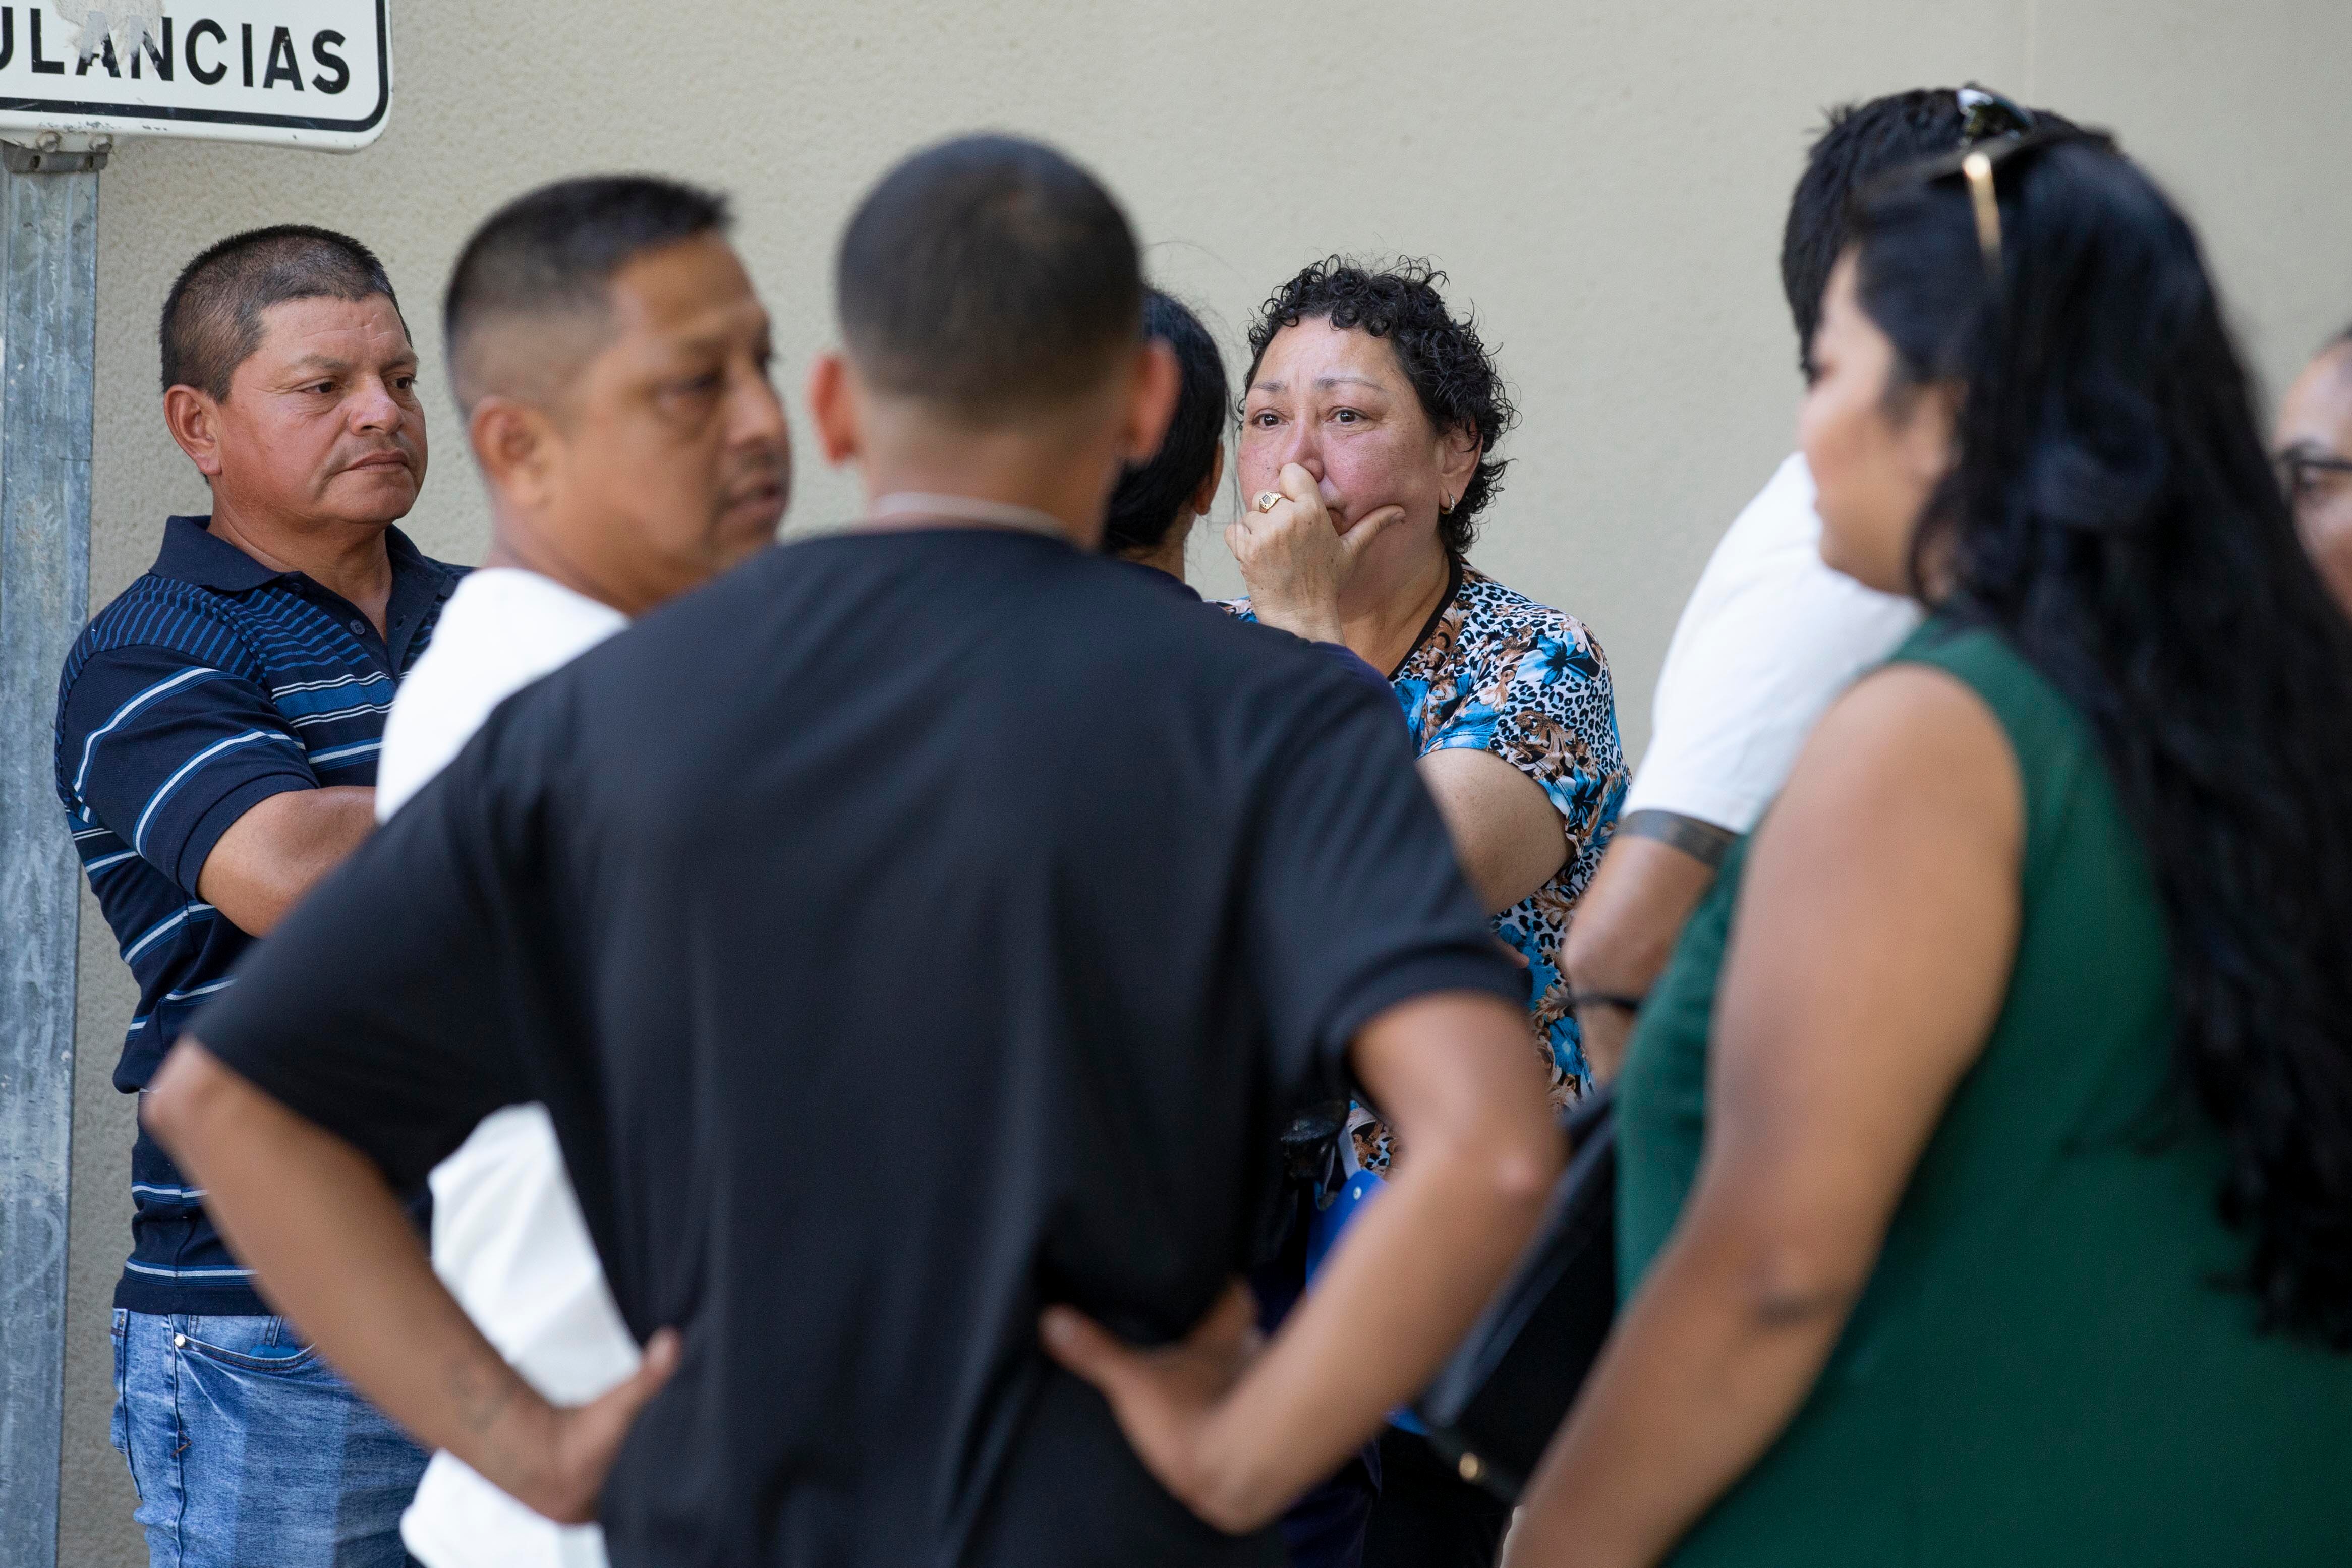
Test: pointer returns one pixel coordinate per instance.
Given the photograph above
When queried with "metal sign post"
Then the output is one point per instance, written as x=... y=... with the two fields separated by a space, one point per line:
x=73 y=79
x=48 y=347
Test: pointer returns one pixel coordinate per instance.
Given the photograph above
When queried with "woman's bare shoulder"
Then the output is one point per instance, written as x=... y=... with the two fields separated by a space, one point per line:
x=1909 y=747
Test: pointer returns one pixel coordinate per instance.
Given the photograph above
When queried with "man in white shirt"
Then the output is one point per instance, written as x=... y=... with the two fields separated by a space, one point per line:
x=1770 y=635
x=611 y=362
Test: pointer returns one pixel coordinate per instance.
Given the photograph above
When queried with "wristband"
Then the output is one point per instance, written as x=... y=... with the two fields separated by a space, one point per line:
x=1703 y=842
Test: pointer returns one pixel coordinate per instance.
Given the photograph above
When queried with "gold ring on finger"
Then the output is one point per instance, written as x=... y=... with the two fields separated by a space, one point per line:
x=1268 y=499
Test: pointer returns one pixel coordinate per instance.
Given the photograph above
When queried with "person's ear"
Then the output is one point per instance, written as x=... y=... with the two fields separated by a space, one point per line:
x=517 y=449
x=834 y=407
x=1204 y=497
x=1458 y=451
x=1150 y=403
x=193 y=419
x=1930 y=430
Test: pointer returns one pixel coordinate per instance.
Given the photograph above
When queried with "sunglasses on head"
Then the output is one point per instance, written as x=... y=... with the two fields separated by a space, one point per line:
x=1979 y=164
x=1986 y=115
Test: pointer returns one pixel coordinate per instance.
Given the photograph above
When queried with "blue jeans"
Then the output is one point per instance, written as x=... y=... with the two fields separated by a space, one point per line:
x=248 y=1451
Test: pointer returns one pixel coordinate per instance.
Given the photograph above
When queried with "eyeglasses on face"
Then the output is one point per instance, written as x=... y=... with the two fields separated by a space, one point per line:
x=2303 y=470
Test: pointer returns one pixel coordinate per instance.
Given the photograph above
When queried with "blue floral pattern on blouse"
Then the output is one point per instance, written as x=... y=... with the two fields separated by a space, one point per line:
x=1497 y=671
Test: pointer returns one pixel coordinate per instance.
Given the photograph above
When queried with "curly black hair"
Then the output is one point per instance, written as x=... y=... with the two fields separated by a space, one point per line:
x=1449 y=367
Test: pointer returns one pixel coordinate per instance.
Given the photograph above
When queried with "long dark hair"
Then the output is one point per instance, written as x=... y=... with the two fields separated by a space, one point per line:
x=2112 y=511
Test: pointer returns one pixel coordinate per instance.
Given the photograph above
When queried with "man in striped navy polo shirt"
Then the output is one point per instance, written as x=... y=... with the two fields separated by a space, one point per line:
x=217 y=731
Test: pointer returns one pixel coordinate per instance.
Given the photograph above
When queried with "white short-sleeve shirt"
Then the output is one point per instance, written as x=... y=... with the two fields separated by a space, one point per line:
x=1770 y=638
x=507 y=1237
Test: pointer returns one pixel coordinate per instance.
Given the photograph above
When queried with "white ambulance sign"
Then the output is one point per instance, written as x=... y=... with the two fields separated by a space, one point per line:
x=314 y=73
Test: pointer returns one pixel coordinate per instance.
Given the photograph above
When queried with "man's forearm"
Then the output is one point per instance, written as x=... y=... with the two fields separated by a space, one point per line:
x=1605 y=1029
x=332 y=1249
x=1382 y=1319
x=1375 y=1329
x=1626 y=925
x=280 y=850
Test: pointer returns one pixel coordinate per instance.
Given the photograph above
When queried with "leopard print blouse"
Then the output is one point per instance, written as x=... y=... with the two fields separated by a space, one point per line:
x=1497 y=671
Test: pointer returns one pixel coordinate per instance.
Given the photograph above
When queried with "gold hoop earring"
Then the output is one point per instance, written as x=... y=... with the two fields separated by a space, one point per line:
x=1445 y=508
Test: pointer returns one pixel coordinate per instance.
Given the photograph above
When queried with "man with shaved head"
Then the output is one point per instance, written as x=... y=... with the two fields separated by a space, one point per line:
x=923 y=929
x=2314 y=455
x=611 y=364
x=216 y=737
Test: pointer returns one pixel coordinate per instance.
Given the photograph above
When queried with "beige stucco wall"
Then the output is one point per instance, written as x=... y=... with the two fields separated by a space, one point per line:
x=1604 y=181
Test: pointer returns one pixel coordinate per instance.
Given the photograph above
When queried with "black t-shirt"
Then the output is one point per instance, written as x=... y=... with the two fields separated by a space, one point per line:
x=907 y=931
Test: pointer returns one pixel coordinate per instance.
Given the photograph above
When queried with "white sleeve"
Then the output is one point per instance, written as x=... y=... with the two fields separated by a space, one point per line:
x=431 y=720
x=1770 y=638
x=502 y=629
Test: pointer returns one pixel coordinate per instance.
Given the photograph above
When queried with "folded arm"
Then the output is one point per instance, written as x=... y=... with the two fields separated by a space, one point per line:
x=280 y=850
x=1852 y=1003
x=198 y=770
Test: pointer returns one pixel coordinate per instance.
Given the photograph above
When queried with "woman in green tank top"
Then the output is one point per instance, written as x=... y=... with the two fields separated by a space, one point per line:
x=1985 y=1189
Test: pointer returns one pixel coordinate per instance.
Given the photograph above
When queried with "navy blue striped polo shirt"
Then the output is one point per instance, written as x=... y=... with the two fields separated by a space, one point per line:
x=208 y=685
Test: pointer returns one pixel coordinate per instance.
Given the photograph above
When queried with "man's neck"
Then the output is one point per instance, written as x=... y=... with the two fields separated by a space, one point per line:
x=1008 y=468
x=991 y=504
x=932 y=509
x=521 y=548
x=346 y=558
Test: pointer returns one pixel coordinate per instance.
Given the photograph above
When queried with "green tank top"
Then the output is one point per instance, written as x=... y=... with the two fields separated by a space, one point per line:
x=2046 y=1366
